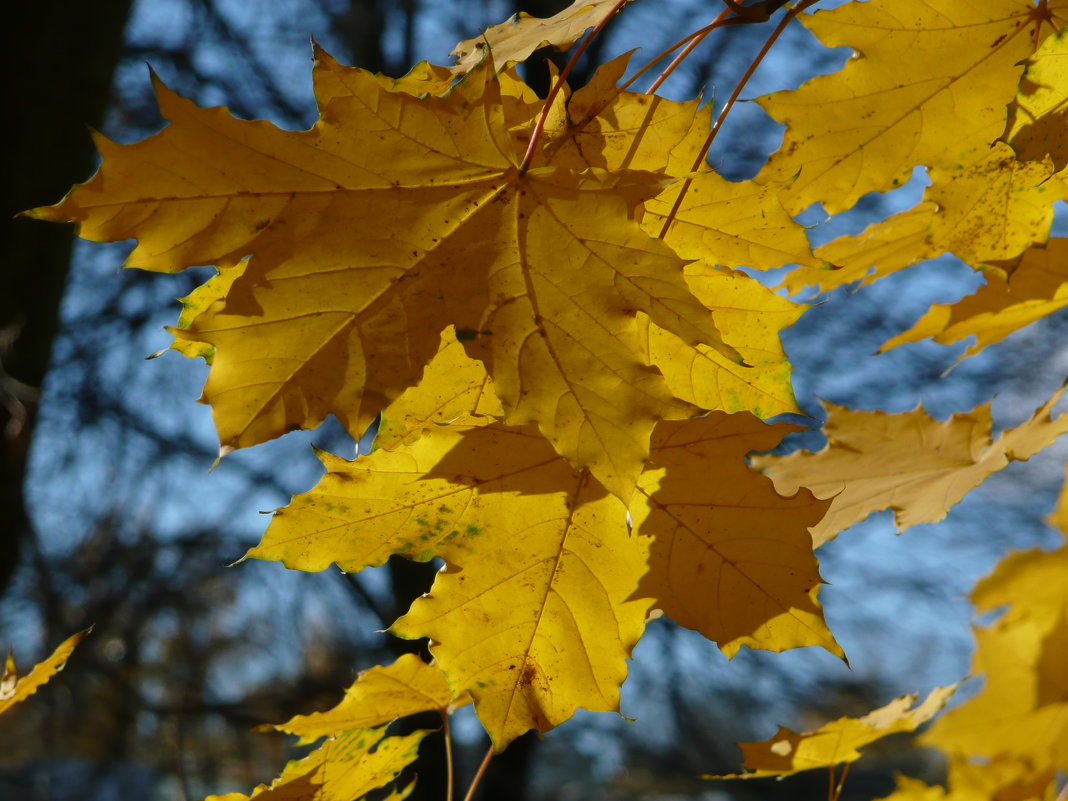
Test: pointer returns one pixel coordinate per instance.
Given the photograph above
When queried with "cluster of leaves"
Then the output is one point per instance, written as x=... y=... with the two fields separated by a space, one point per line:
x=541 y=299
x=1011 y=739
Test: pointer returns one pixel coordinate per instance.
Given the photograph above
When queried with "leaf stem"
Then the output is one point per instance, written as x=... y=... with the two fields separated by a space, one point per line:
x=539 y=126
x=478 y=776
x=703 y=154
x=449 y=780
x=837 y=788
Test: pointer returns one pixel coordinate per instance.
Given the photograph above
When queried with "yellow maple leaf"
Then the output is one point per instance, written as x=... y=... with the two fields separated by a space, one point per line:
x=752 y=318
x=728 y=556
x=345 y=768
x=731 y=224
x=909 y=462
x=517 y=37
x=1022 y=710
x=1037 y=287
x=534 y=614
x=1037 y=115
x=15 y=688
x=864 y=128
x=389 y=220
x=378 y=696
x=525 y=538
x=838 y=741
x=1002 y=779
x=993 y=210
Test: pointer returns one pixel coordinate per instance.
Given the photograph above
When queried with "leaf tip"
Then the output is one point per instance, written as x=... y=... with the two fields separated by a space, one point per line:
x=224 y=450
x=248 y=555
x=168 y=100
x=320 y=58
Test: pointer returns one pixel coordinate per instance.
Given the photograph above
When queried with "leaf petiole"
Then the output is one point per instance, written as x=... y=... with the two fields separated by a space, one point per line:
x=835 y=789
x=449 y=780
x=478 y=776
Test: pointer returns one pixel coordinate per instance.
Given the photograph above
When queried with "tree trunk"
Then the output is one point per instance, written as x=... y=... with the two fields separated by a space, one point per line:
x=60 y=61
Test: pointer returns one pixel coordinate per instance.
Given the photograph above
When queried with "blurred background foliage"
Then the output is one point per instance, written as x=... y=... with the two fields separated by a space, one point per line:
x=108 y=515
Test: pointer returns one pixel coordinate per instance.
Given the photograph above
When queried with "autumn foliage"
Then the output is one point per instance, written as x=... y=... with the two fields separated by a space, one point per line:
x=540 y=300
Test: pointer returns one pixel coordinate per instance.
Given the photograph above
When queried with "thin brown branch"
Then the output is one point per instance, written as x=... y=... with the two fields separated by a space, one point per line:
x=478 y=776
x=449 y=781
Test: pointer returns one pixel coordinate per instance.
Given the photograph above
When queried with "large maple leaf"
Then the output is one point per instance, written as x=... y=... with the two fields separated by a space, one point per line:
x=392 y=218
x=910 y=462
x=544 y=596
x=534 y=615
x=1022 y=709
x=864 y=128
x=729 y=556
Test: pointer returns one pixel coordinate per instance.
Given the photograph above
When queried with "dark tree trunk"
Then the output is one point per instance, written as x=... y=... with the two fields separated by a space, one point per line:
x=60 y=60
x=362 y=28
